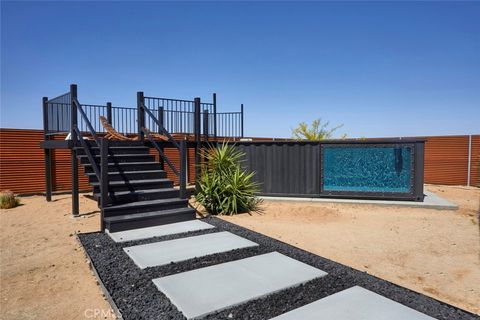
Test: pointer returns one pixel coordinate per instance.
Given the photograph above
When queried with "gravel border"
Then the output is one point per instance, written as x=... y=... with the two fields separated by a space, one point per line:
x=136 y=297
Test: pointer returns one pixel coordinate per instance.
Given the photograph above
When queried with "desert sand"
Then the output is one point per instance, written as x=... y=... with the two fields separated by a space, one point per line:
x=45 y=274
x=435 y=252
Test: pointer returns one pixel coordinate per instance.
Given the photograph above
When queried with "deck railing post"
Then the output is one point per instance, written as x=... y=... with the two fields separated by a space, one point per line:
x=205 y=124
x=73 y=153
x=241 y=120
x=109 y=112
x=215 y=117
x=183 y=169
x=104 y=196
x=197 y=142
x=160 y=119
x=140 y=115
x=47 y=152
x=160 y=131
x=205 y=134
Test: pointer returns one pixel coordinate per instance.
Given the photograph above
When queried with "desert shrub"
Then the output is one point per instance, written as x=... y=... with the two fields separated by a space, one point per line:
x=225 y=188
x=8 y=200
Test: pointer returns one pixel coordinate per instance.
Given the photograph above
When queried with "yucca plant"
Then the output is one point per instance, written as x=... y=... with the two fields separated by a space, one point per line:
x=225 y=188
x=8 y=200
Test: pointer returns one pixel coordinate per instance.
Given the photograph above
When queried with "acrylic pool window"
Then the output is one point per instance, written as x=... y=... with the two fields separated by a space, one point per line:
x=367 y=169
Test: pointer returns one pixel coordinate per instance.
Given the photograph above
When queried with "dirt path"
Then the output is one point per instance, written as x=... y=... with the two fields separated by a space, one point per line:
x=44 y=274
x=430 y=251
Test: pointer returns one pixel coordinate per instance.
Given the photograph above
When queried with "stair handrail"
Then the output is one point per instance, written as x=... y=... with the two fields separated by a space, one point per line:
x=162 y=154
x=161 y=127
x=88 y=152
x=87 y=121
x=181 y=148
x=100 y=171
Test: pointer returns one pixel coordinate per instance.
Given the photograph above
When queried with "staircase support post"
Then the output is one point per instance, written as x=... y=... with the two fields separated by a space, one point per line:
x=104 y=197
x=140 y=115
x=47 y=152
x=183 y=169
x=73 y=153
x=198 y=169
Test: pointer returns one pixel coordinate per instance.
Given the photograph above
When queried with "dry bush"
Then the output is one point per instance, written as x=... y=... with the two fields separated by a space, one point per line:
x=8 y=200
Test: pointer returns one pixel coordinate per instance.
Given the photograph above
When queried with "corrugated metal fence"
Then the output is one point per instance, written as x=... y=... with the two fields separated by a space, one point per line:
x=22 y=163
x=447 y=160
x=22 y=167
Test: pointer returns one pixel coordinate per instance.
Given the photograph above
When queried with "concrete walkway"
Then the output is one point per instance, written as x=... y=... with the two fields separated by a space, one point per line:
x=165 y=252
x=159 y=231
x=207 y=290
x=354 y=303
x=203 y=291
x=431 y=201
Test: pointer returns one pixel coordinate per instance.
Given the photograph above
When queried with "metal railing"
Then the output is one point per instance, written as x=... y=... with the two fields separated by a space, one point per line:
x=100 y=171
x=177 y=116
x=180 y=146
x=57 y=114
x=66 y=115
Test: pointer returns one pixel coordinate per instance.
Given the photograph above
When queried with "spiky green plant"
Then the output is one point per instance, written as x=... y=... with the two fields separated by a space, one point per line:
x=8 y=200
x=225 y=188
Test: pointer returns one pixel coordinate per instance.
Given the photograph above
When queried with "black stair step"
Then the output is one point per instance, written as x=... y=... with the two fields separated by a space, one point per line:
x=127 y=166
x=120 y=158
x=141 y=195
x=134 y=185
x=129 y=175
x=148 y=219
x=116 y=150
x=145 y=206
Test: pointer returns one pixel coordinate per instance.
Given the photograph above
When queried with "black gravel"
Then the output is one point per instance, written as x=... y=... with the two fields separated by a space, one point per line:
x=137 y=297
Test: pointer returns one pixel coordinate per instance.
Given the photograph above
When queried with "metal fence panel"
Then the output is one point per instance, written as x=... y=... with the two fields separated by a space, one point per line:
x=284 y=169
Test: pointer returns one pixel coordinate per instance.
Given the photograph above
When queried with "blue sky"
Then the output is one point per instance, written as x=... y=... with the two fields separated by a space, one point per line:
x=382 y=68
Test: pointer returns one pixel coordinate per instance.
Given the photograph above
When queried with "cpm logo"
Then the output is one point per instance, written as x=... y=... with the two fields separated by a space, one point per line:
x=97 y=313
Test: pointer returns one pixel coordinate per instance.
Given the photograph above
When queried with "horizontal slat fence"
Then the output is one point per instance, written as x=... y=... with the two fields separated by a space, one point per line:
x=22 y=168
x=22 y=162
x=447 y=159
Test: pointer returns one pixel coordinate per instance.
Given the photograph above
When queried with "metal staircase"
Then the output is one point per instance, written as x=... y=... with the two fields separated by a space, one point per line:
x=139 y=192
x=131 y=187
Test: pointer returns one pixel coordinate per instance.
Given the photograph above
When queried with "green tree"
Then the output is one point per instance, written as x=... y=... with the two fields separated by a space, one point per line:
x=317 y=131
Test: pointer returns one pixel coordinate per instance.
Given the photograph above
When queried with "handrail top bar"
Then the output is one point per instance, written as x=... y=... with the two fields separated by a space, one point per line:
x=94 y=105
x=57 y=103
x=62 y=95
x=181 y=100
x=230 y=112
x=121 y=107
x=168 y=99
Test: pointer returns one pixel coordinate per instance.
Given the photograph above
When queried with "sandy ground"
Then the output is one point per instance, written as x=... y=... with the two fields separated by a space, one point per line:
x=44 y=274
x=434 y=252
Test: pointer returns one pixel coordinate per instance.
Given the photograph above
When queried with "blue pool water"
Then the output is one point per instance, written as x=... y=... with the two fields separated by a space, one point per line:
x=367 y=169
